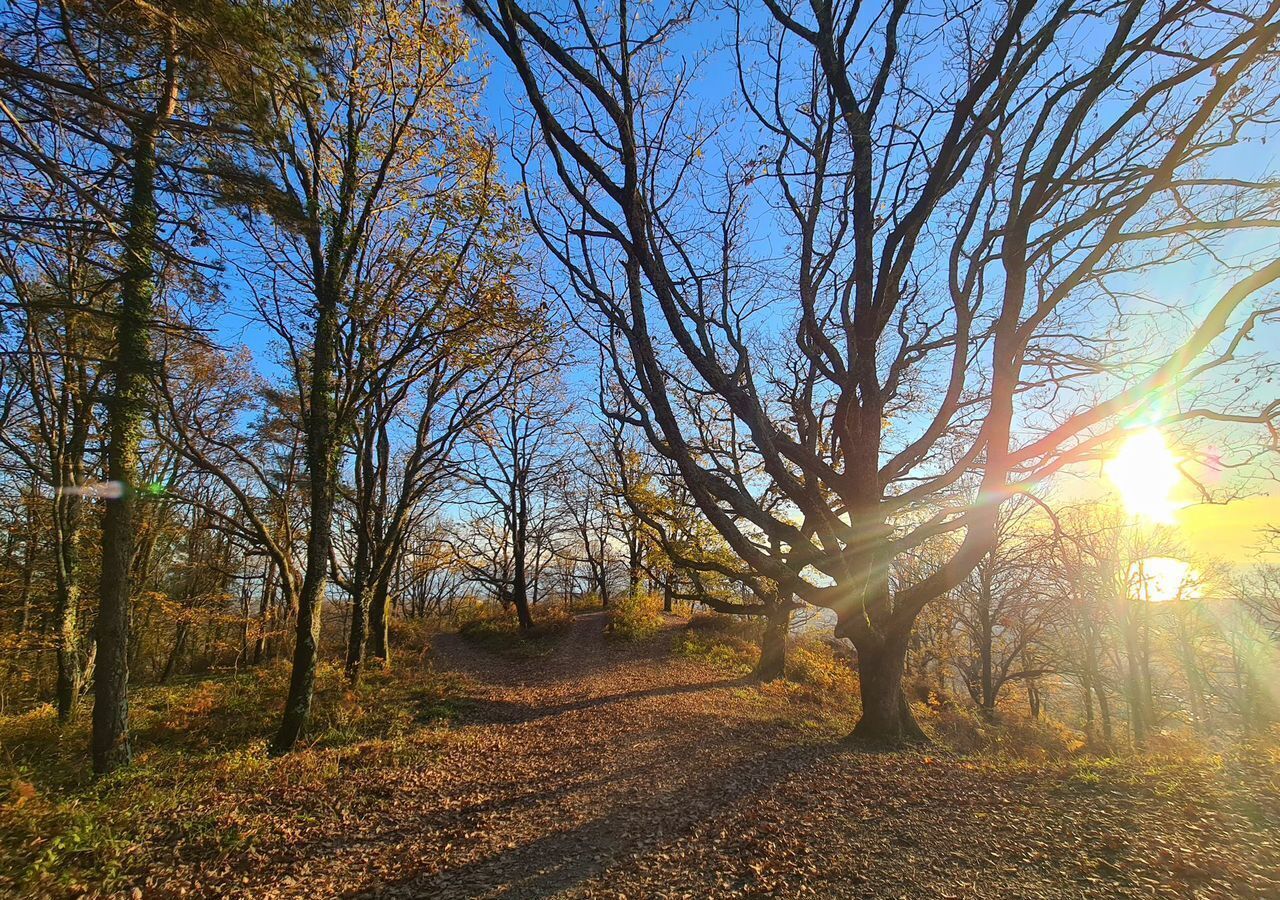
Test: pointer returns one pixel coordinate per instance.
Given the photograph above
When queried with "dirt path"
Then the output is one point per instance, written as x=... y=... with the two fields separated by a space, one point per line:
x=599 y=771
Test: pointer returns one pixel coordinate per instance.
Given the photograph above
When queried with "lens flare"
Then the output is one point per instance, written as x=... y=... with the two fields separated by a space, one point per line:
x=1145 y=473
x=1159 y=579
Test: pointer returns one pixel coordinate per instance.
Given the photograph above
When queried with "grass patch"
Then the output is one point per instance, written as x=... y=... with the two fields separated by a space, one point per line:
x=498 y=631
x=723 y=642
x=815 y=663
x=202 y=786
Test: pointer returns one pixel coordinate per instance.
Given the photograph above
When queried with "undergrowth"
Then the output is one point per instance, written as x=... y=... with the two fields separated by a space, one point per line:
x=732 y=644
x=634 y=617
x=499 y=630
x=201 y=783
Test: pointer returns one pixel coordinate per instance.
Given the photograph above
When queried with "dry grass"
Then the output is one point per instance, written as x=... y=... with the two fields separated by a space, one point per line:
x=201 y=777
x=499 y=631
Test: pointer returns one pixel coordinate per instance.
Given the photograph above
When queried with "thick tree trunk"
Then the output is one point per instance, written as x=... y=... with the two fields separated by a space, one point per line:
x=126 y=408
x=322 y=467
x=668 y=603
x=773 y=644
x=520 y=594
x=886 y=716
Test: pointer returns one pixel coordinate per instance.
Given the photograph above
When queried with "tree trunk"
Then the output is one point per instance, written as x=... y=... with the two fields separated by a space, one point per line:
x=126 y=408
x=602 y=582
x=773 y=644
x=356 y=635
x=886 y=716
x=985 y=637
x=179 y=643
x=520 y=594
x=265 y=604
x=322 y=467
x=668 y=603
x=66 y=563
x=1104 y=711
x=1133 y=678
x=520 y=578
x=28 y=563
x=380 y=623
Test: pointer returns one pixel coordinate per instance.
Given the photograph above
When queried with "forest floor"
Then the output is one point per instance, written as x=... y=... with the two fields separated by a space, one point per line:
x=600 y=770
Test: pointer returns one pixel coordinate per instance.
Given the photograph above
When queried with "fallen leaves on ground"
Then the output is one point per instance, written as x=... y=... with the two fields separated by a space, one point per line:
x=607 y=771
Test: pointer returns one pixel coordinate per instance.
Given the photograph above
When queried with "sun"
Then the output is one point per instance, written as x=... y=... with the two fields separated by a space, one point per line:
x=1145 y=472
x=1159 y=579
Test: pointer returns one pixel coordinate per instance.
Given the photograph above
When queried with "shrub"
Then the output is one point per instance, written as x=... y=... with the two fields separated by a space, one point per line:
x=586 y=603
x=726 y=642
x=634 y=617
x=815 y=663
x=963 y=728
x=498 y=630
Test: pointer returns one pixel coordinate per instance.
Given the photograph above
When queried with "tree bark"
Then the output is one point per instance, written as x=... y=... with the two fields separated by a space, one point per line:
x=886 y=716
x=380 y=624
x=773 y=644
x=322 y=467
x=126 y=409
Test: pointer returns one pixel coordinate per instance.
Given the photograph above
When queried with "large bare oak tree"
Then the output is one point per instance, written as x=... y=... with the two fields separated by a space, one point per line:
x=922 y=257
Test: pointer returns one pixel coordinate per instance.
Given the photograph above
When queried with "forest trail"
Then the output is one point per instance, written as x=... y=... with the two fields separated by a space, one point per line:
x=600 y=770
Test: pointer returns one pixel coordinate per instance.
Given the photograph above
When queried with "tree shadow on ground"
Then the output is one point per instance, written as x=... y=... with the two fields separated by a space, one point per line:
x=564 y=859
x=489 y=711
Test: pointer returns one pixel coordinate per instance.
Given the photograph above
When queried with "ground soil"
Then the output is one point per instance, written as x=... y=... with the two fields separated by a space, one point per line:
x=606 y=771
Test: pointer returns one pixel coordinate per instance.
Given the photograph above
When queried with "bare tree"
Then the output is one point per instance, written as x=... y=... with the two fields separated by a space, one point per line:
x=515 y=460
x=901 y=254
x=1003 y=605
